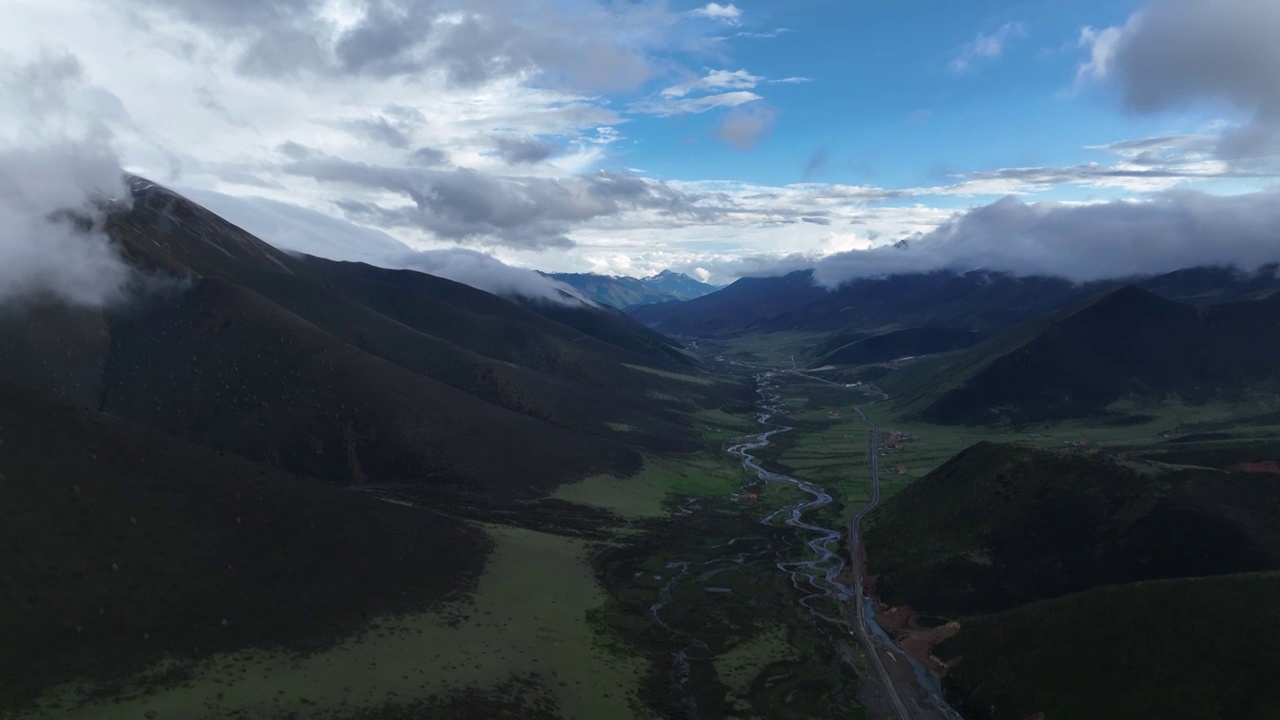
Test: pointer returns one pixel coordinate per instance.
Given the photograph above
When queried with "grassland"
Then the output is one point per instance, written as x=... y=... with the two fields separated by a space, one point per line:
x=524 y=637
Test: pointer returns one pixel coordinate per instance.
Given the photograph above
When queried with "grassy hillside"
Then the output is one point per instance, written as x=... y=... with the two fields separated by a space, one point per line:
x=899 y=344
x=1002 y=525
x=1125 y=344
x=121 y=545
x=1194 y=649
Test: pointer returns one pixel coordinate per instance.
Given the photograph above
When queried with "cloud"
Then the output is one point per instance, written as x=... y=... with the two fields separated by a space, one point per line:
x=300 y=230
x=725 y=13
x=986 y=47
x=516 y=150
x=1179 y=53
x=428 y=157
x=57 y=170
x=465 y=205
x=588 y=45
x=666 y=107
x=744 y=128
x=1083 y=242
x=489 y=274
x=715 y=80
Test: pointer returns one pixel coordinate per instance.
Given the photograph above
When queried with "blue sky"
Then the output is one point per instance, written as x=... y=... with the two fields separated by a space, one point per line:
x=720 y=139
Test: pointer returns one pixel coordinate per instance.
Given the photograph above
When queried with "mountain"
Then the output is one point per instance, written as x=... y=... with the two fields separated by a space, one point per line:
x=1067 y=570
x=1186 y=649
x=215 y=447
x=999 y=526
x=1126 y=343
x=974 y=302
x=981 y=302
x=623 y=292
x=846 y=349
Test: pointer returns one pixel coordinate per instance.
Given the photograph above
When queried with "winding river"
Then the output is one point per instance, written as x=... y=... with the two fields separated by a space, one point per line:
x=821 y=575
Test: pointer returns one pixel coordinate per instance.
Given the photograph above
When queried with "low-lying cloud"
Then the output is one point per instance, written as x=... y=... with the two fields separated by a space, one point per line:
x=1171 y=231
x=57 y=169
x=299 y=230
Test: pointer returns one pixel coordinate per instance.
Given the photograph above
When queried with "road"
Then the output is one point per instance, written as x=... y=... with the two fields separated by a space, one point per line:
x=887 y=680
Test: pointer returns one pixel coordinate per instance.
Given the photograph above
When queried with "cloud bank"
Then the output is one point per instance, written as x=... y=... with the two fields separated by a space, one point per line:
x=1172 y=231
x=57 y=167
x=1178 y=53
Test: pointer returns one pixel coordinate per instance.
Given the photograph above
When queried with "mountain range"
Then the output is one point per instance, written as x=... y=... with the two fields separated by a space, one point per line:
x=625 y=292
x=232 y=425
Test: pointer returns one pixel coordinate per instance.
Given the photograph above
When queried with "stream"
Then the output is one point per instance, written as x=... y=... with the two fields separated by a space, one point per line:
x=816 y=577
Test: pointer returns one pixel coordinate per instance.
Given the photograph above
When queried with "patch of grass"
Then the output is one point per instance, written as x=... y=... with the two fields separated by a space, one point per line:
x=694 y=379
x=529 y=618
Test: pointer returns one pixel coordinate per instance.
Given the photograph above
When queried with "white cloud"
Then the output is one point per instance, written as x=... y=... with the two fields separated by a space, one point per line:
x=725 y=13
x=666 y=107
x=57 y=168
x=1082 y=242
x=986 y=47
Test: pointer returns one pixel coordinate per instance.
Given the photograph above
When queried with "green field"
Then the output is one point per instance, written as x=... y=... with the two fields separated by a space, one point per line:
x=524 y=637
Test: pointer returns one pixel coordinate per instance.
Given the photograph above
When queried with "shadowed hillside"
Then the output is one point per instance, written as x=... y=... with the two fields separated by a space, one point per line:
x=120 y=545
x=1002 y=525
x=214 y=448
x=1197 y=649
x=1128 y=343
x=896 y=344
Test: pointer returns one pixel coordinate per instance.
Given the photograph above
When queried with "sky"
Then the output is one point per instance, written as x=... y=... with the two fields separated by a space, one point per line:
x=1085 y=139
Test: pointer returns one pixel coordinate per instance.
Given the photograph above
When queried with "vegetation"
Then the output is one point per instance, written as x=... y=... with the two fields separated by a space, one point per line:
x=1192 y=649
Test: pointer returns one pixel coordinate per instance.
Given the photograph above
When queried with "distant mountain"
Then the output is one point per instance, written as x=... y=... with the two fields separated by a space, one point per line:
x=981 y=302
x=1126 y=343
x=624 y=292
x=975 y=302
x=199 y=462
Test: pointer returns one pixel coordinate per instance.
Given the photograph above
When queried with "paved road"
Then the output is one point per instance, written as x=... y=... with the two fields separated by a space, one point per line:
x=887 y=680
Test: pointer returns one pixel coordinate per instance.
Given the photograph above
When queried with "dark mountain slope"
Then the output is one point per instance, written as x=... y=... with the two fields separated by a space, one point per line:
x=223 y=367
x=120 y=545
x=1129 y=342
x=1000 y=525
x=898 y=344
x=1196 y=649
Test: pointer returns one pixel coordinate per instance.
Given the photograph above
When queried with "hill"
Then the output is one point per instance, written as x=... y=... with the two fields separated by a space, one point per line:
x=976 y=302
x=999 y=526
x=1189 y=649
x=1122 y=344
x=895 y=344
x=979 y=301
x=215 y=447
x=121 y=545
x=622 y=292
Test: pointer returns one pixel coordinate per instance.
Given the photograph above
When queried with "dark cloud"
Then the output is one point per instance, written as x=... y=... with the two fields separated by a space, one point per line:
x=816 y=220
x=381 y=130
x=520 y=150
x=428 y=157
x=744 y=127
x=295 y=151
x=522 y=212
x=1172 y=231
x=590 y=45
x=1183 y=52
